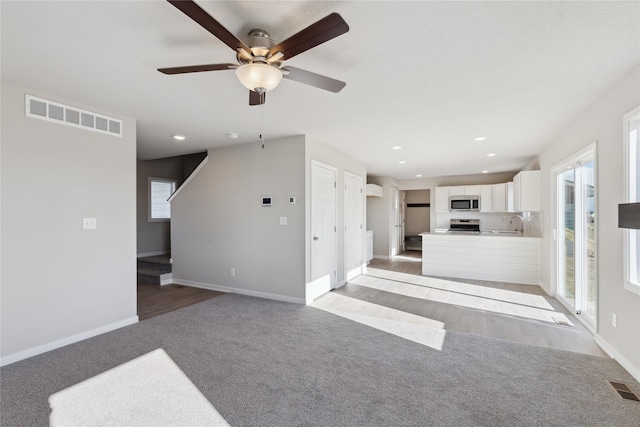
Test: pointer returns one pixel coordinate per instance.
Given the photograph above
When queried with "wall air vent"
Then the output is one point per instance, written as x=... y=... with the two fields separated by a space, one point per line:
x=39 y=108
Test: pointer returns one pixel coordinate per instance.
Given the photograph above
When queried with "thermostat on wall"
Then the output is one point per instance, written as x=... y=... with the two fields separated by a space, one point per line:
x=266 y=200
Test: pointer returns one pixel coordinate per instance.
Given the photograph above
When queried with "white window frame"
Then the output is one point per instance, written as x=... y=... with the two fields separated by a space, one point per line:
x=631 y=171
x=149 y=204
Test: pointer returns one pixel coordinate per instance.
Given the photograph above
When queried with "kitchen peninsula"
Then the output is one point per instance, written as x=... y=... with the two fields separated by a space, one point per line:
x=488 y=255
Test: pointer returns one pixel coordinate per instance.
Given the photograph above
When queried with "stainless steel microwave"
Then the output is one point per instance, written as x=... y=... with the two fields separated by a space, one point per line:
x=464 y=203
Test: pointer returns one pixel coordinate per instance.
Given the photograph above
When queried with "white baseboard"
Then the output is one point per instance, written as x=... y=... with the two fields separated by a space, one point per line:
x=614 y=354
x=239 y=291
x=66 y=341
x=156 y=253
x=381 y=257
x=166 y=279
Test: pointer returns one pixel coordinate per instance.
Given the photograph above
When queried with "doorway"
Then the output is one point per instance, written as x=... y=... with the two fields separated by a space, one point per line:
x=396 y=220
x=576 y=235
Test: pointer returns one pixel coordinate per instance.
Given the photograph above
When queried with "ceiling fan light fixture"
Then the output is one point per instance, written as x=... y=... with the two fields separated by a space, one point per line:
x=258 y=76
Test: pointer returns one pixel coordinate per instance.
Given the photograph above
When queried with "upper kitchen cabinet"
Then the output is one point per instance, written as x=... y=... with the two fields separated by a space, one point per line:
x=499 y=197
x=442 y=199
x=486 y=198
x=374 y=190
x=472 y=190
x=526 y=191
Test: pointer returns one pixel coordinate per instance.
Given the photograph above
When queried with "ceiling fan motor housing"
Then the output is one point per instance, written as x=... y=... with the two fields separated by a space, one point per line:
x=260 y=42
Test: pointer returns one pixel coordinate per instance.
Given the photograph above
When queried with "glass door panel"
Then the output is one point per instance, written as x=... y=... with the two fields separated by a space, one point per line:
x=576 y=232
x=566 y=226
x=589 y=241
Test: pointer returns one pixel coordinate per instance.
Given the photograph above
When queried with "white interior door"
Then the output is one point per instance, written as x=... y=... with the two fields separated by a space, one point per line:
x=394 y=227
x=353 y=226
x=324 y=254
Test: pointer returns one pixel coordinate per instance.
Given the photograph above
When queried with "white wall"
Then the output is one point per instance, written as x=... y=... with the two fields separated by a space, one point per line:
x=320 y=152
x=60 y=283
x=218 y=222
x=602 y=123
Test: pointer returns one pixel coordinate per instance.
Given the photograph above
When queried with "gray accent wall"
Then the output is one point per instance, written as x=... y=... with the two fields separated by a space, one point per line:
x=61 y=283
x=219 y=223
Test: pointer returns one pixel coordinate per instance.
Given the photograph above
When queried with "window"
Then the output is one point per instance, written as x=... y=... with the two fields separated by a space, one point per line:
x=159 y=192
x=632 y=194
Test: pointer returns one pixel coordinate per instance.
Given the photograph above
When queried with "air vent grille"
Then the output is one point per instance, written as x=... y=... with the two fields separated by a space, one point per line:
x=624 y=391
x=71 y=116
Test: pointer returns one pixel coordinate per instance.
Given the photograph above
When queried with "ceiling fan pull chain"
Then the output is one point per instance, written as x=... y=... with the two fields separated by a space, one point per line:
x=262 y=125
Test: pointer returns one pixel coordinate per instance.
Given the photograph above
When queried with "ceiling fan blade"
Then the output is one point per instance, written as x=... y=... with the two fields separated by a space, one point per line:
x=195 y=12
x=313 y=79
x=197 y=68
x=256 y=98
x=322 y=31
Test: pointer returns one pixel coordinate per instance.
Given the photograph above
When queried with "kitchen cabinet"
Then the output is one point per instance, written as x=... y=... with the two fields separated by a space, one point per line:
x=472 y=190
x=369 y=246
x=498 y=197
x=510 y=196
x=374 y=190
x=526 y=191
x=442 y=199
x=486 y=198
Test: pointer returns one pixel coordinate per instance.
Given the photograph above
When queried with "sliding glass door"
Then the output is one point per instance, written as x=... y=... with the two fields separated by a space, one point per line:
x=576 y=234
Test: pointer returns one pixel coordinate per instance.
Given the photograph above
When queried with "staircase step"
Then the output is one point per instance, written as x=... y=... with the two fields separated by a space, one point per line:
x=154 y=276
x=155 y=269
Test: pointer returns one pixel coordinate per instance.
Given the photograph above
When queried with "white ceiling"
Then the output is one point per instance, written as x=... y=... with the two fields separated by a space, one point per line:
x=429 y=76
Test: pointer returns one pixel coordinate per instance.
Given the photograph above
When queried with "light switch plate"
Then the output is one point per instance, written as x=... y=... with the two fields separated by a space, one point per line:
x=89 y=223
x=283 y=220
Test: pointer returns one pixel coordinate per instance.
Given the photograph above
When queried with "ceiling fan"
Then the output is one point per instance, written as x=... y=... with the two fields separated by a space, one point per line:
x=260 y=58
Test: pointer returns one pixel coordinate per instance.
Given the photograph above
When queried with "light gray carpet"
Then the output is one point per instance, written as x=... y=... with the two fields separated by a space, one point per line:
x=265 y=363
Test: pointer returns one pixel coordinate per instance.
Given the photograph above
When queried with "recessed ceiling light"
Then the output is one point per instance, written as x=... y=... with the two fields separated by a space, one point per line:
x=480 y=138
x=418 y=176
x=233 y=135
x=485 y=171
x=396 y=147
x=179 y=137
x=402 y=162
x=491 y=154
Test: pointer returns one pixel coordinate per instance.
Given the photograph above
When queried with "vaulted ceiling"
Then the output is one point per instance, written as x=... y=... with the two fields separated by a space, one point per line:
x=427 y=76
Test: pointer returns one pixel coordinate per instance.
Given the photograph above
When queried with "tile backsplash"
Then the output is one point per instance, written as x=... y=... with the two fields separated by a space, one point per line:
x=504 y=221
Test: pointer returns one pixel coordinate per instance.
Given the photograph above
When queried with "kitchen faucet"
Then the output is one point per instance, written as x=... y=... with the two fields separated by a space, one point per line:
x=521 y=222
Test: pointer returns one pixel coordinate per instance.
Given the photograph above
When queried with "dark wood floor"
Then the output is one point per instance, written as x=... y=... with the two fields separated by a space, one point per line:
x=154 y=300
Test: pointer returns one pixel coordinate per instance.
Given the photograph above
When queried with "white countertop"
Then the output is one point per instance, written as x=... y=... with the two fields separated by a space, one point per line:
x=486 y=233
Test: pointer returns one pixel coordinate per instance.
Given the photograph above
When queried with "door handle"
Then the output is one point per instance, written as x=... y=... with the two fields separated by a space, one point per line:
x=316 y=238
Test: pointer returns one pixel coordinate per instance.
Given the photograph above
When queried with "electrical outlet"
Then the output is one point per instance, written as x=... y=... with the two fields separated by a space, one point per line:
x=233 y=271
x=614 y=320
